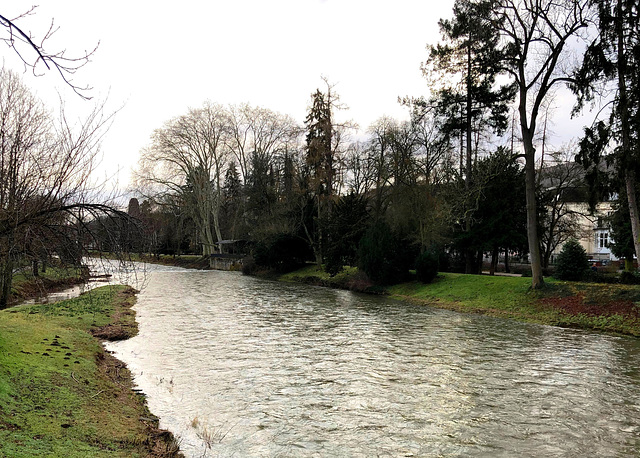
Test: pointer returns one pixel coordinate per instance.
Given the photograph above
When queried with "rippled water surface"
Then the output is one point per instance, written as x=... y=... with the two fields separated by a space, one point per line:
x=238 y=366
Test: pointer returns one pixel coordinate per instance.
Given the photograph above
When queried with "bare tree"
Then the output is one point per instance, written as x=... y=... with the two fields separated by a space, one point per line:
x=187 y=157
x=47 y=198
x=378 y=160
x=33 y=52
x=537 y=35
x=360 y=177
x=259 y=131
x=562 y=183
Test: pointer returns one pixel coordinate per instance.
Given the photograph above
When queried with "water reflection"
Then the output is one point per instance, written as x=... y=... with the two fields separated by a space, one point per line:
x=240 y=366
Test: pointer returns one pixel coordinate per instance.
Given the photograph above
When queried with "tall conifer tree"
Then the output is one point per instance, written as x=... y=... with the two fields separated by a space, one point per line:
x=470 y=53
x=613 y=58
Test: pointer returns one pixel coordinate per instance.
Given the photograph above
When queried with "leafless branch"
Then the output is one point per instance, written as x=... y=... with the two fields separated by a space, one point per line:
x=24 y=44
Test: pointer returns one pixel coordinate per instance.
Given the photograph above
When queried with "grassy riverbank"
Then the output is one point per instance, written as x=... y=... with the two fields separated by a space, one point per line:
x=26 y=286
x=61 y=393
x=602 y=307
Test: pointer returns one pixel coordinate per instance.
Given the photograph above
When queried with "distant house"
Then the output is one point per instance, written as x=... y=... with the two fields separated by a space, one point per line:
x=595 y=232
x=567 y=191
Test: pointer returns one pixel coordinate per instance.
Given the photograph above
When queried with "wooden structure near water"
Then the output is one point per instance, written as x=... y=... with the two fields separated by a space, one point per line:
x=229 y=256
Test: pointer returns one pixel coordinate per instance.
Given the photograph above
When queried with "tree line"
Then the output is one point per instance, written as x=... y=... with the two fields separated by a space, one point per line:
x=461 y=176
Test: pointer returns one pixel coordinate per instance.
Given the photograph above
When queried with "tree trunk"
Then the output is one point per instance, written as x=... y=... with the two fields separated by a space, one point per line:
x=628 y=265
x=507 y=267
x=6 y=276
x=216 y=226
x=494 y=261
x=546 y=259
x=537 y=280
x=209 y=243
x=318 y=245
x=623 y=107
x=34 y=265
x=471 y=266
x=470 y=262
x=630 y=183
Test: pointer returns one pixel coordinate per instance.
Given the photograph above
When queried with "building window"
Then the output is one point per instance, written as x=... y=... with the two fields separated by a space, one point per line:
x=603 y=240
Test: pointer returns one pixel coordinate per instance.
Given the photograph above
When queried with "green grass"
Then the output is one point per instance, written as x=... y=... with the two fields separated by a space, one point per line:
x=61 y=394
x=312 y=271
x=568 y=304
x=470 y=291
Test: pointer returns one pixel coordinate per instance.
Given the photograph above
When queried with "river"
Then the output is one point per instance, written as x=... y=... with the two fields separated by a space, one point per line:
x=239 y=366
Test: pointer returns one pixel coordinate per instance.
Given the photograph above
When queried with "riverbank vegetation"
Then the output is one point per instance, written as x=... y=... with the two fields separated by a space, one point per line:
x=609 y=308
x=188 y=261
x=25 y=285
x=613 y=308
x=61 y=393
x=458 y=180
x=50 y=212
x=461 y=180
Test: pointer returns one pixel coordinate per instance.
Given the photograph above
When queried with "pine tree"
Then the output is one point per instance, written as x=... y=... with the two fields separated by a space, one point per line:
x=469 y=51
x=318 y=139
x=232 y=202
x=476 y=103
x=613 y=58
x=320 y=159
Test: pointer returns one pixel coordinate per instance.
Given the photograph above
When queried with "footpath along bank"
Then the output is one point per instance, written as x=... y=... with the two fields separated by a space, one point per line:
x=61 y=393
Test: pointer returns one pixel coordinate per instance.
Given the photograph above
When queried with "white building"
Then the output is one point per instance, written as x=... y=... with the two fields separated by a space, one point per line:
x=566 y=181
x=595 y=233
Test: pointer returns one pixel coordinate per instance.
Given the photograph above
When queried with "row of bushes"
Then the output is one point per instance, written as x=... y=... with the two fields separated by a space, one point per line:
x=387 y=258
x=382 y=253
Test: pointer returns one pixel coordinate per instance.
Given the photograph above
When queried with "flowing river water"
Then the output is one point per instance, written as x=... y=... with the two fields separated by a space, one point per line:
x=239 y=366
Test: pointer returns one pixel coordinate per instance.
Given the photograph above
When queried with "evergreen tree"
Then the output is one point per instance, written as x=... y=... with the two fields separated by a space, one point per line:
x=501 y=215
x=475 y=103
x=573 y=263
x=470 y=51
x=320 y=160
x=346 y=227
x=383 y=254
x=613 y=58
x=318 y=142
x=622 y=245
x=232 y=203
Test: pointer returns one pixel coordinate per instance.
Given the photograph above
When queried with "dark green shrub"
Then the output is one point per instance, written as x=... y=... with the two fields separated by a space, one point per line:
x=282 y=252
x=602 y=277
x=346 y=227
x=427 y=266
x=383 y=255
x=629 y=278
x=573 y=263
x=249 y=266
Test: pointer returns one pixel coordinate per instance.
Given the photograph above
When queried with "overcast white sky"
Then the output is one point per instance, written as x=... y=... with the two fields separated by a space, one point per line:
x=156 y=59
